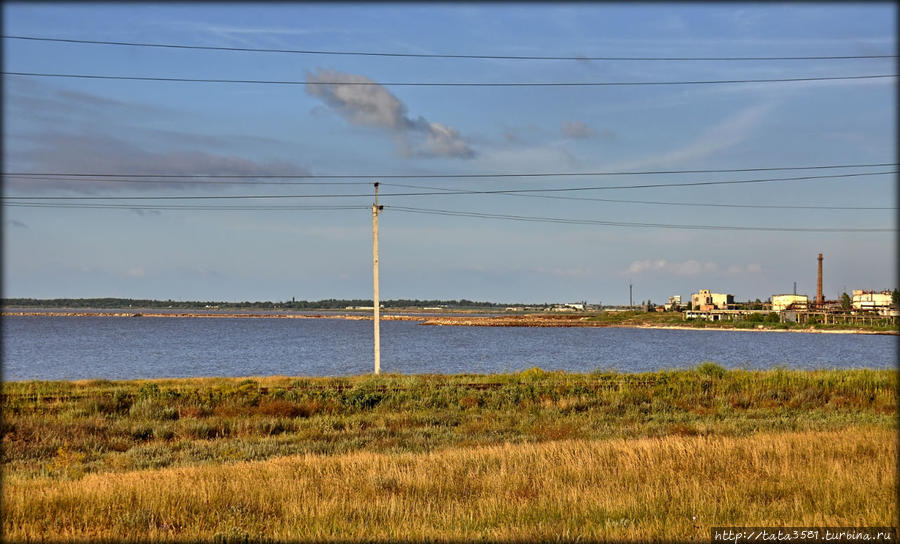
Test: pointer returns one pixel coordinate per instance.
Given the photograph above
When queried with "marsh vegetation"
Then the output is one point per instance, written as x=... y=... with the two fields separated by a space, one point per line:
x=527 y=455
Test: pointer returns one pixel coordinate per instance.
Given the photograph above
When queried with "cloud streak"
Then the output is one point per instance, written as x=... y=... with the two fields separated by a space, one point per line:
x=690 y=267
x=63 y=152
x=725 y=134
x=576 y=130
x=373 y=105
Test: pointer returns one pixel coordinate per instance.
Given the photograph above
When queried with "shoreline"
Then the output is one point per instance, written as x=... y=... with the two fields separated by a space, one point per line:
x=432 y=320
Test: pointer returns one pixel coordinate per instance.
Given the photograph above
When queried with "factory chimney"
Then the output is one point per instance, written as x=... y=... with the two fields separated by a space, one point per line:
x=819 y=298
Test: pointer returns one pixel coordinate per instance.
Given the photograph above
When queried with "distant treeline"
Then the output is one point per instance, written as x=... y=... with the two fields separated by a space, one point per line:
x=331 y=303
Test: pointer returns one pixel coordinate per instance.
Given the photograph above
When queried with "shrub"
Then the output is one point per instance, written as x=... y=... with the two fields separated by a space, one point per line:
x=279 y=408
x=711 y=369
x=152 y=408
x=363 y=398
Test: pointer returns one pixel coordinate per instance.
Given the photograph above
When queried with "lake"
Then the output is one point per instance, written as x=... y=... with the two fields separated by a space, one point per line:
x=71 y=348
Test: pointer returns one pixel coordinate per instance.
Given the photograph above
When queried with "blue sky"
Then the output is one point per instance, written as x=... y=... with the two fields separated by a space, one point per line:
x=62 y=125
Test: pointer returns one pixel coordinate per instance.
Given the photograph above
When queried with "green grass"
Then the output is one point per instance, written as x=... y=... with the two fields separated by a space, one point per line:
x=768 y=321
x=69 y=429
x=531 y=455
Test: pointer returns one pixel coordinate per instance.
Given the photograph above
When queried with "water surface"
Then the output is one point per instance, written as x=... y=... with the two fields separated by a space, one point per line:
x=69 y=348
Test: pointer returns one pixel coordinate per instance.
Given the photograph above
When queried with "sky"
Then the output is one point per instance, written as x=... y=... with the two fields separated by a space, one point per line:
x=346 y=115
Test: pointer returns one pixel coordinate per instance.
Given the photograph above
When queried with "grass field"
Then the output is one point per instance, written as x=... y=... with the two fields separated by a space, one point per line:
x=515 y=456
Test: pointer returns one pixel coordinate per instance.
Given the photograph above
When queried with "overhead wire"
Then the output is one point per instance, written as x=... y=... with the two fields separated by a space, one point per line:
x=668 y=203
x=453 y=213
x=171 y=181
x=457 y=192
x=456 y=176
x=174 y=207
x=433 y=55
x=133 y=178
x=449 y=84
x=524 y=218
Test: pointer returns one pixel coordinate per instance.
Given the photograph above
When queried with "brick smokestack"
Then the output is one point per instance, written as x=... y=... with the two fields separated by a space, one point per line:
x=819 y=298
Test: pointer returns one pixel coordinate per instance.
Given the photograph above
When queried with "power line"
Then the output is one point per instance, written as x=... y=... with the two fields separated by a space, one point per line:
x=454 y=176
x=533 y=219
x=450 y=84
x=554 y=197
x=175 y=207
x=454 y=213
x=435 y=55
x=168 y=181
x=451 y=192
x=671 y=203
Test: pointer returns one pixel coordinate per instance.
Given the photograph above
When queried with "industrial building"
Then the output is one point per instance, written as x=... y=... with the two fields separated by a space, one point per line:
x=674 y=303
x=789 y=302
x=704 y=301
x=872 y=301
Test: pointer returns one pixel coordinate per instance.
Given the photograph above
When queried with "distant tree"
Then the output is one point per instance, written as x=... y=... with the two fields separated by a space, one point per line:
x=845 y=301
x=895 y=298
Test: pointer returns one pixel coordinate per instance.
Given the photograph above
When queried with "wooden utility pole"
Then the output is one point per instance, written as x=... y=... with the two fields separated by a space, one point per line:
x=376 y=209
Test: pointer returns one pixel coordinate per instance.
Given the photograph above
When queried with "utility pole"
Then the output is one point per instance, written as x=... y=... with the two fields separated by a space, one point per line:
x=376 y=209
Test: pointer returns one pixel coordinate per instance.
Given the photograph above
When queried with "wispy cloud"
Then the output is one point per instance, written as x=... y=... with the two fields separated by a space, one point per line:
x=15 y=223
x=560 y=272
x=38 y=98
x=373 y=105
x=55 y=151
x=727 y=133
x=576 y=130
x=689 y=267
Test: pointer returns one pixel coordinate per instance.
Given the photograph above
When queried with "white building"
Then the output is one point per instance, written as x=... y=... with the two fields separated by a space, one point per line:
x=783 y=302
x=674 y=302
x=872 y=301
x=704 y=300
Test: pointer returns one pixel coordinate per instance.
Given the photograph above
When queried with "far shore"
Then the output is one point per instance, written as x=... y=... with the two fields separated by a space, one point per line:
x=532 y=320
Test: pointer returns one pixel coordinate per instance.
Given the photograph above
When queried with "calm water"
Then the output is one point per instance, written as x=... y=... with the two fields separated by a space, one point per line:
x=68 y=348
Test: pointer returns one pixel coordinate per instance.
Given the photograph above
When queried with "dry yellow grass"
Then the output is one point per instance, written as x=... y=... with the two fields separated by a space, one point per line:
x=674 y=487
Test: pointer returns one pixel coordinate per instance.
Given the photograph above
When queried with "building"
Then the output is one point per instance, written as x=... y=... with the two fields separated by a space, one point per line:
x=570 y=307
x=781 y=303
x=721 y=315
x=872 y=301
x=704 y=300
x=674 y=303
